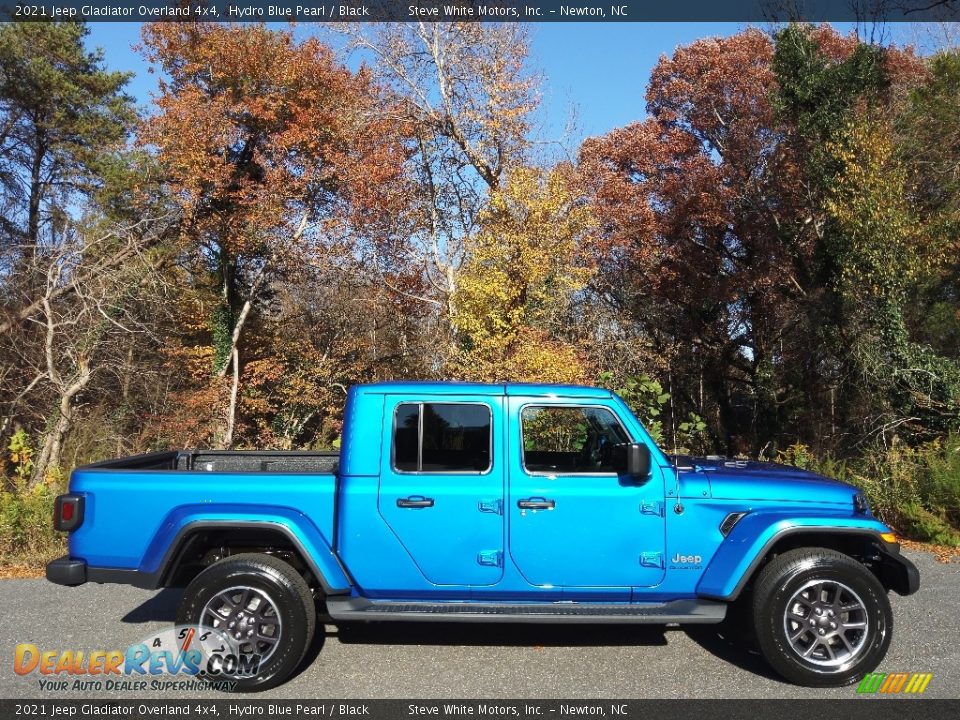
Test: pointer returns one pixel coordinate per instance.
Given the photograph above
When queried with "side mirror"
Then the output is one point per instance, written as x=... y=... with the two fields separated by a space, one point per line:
x=631 y=459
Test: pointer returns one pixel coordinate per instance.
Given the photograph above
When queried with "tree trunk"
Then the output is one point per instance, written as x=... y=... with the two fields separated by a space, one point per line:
x=232 y=412
x=52 y=451
x=36 y=195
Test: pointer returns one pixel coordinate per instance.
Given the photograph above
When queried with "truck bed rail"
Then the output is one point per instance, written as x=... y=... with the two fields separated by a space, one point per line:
x=273 y=461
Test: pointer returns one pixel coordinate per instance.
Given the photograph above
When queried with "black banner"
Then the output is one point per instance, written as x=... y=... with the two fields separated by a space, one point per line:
x=483 y=11
x=873 y=708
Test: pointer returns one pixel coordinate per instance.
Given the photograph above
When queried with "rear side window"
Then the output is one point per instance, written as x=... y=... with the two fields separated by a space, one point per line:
x=406 y=438
x=441 y=438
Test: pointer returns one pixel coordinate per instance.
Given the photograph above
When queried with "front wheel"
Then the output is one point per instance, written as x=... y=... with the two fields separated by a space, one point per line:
x=261 y=607
x=822 y=619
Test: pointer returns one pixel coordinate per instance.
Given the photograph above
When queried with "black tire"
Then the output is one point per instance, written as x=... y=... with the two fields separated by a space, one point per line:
x=290 y=594
x=839 y=656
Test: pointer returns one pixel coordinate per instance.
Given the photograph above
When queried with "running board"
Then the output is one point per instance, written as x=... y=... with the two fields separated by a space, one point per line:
x=675 y=611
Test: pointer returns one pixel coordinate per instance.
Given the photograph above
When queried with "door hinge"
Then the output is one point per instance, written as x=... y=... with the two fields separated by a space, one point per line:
x=651 y=508
x=652 y=559
x=491 y=506
x=493 y=558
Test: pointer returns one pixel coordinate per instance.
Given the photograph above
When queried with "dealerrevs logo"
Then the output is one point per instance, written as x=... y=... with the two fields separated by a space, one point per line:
x=199 y=657
x=894 y=683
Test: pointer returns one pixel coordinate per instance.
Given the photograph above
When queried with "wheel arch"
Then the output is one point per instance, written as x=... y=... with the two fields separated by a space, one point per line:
x=199 y=543
x=756 y=540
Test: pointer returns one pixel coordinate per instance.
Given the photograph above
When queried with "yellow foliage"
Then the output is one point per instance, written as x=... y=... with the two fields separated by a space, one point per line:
x=522 y=270
x=532 y=357
x=886 y=243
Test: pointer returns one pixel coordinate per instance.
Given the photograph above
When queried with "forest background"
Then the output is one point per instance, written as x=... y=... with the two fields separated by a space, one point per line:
x=765 y=265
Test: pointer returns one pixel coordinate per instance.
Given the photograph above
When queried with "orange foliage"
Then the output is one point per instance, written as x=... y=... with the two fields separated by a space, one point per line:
x=255 y=128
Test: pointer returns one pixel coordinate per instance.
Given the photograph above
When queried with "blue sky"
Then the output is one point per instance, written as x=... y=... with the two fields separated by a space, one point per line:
x=600 y=70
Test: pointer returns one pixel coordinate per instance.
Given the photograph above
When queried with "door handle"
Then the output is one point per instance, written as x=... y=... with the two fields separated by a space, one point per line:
x=536 y=503
x=415 y=501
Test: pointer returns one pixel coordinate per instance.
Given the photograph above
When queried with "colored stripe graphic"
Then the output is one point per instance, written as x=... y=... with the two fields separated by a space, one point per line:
x=920 y=682
x=871 y=682
x=894 y=683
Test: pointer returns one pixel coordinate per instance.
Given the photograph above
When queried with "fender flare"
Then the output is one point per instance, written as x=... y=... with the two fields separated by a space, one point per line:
x=742 y=551
x=164 y=550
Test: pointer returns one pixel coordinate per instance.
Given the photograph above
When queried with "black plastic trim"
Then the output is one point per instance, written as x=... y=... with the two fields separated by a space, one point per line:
x=898 y=573
x=685 y=611
x=123 y=576
x=135 y=462
x=65 y=571
x=70 y=572
x=730 y=521
x=168 y=564
x=183 y=460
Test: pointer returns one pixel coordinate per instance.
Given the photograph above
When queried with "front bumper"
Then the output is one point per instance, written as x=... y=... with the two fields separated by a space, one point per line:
x=898 y=574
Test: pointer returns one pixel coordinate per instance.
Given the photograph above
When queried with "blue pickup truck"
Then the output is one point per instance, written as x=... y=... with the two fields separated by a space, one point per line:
x=492 y=503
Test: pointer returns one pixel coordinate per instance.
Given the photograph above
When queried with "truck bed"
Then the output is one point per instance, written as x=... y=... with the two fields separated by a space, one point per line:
x=228 y=461
x=147 y=499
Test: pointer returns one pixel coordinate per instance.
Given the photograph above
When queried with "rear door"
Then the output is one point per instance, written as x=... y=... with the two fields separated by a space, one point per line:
x=442 y=485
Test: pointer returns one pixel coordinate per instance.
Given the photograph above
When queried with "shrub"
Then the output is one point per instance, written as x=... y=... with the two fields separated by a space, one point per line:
x=914 y=490
x=26 y=525
x=26 y=513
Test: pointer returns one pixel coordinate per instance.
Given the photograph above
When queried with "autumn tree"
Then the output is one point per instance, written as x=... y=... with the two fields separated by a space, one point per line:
x=714 y=212
x=882 y=249
x=268 y=144
x=528 y=260
x=871 y=246
x=683 y=200
x=929 y=148
x=466 y=100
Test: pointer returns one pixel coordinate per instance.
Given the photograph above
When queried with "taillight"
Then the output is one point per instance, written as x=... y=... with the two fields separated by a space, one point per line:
x=68 y=512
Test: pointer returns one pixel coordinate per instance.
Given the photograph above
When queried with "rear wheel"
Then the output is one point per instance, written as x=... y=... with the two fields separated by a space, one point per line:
x=262 y=606
x=822 y=619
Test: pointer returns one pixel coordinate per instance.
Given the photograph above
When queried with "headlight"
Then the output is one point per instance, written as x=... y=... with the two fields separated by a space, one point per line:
x=861 y=504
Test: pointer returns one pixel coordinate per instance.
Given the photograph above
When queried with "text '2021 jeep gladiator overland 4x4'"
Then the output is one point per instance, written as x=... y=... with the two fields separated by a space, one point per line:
x=491 y=503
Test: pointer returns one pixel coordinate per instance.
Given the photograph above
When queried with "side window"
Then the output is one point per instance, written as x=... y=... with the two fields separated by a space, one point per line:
x=569 y=439
x=406 y=438
x=441 y=437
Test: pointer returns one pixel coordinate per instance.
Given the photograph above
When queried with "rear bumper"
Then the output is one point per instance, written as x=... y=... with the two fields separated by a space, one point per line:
x=65 y=571
x=899 y=574
x=71 y=572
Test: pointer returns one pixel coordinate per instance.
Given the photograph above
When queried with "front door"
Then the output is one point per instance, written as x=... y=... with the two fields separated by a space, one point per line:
x=441 y=486
x=573 y=521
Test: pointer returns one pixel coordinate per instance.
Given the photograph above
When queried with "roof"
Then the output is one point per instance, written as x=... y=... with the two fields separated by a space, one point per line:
x=432 y=387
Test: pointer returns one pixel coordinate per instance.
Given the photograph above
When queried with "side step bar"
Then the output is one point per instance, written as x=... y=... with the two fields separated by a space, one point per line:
x=675 y=611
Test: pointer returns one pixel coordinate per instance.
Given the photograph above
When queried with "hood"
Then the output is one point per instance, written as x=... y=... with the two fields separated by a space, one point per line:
x=753 y=480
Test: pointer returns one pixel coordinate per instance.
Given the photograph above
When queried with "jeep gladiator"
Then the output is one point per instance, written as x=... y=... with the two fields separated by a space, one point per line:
x=492 y=503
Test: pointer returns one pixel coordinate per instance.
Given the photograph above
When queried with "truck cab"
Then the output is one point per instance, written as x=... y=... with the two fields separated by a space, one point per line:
x=505 y=503
x=507 y=494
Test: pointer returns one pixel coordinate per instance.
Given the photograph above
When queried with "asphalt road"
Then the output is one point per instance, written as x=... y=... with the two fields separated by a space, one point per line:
x=396 y=660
